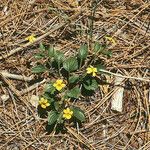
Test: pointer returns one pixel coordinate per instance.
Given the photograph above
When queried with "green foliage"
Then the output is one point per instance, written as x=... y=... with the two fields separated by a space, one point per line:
x=83 y=51
x=51 y=51
x=42 y=47
x=74 y=93
x=98 y=47
x=70 y=64
x=48 y=97
x=78 y=114
x=58 y=57
x=39 y=56
x=108 y=53
x=39 y=69
x=90 y=84
x=99 y=67
x=50 y=88
x=52 y=117
x=73 y=78
x=56 y=105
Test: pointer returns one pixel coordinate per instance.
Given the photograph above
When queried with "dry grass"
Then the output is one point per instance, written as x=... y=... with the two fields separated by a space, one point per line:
x=65 y=26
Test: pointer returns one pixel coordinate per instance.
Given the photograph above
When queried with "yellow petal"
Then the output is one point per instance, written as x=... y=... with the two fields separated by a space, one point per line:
x=45 y=101
x=94 y=69
x=65 y=111
x=68 y=116
x=41 y=101
x=64 y=115
x=94 y=74
x=71 y=112
x=43 y=106
x=110 y=39
x=47 y=104
x=68 y=110
x=59 y=81
x=58 y=87
x=27 y=38
x=89 y=70
x=63 y=85
x=54 y=84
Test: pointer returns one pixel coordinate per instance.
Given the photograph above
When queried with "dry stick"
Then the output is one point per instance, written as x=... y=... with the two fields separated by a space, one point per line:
x=9 y=140
x=101 y=101
x=29 y=44
x=15 y=76
x=131 y=20
x=121 y=76
x=41 y=37
x=30 y=88
x=143 y=147
x=16 y=92
x=81 y=139
x=138 y=52
x=139 y=118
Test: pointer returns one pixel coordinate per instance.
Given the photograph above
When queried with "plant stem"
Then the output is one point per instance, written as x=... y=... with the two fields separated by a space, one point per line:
x=80 y=63
x=94 y=6
x=59 y=68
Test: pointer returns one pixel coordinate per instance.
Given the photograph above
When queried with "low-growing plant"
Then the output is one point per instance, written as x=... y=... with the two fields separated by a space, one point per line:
x=71 y=79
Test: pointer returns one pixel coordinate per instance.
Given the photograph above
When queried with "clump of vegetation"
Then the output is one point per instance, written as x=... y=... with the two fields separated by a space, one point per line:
x=71 y=79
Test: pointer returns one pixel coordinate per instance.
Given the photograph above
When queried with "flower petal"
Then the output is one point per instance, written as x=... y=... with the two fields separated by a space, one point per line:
x=64 y=115
x=58 y=87
x=43 y=106
x=45 y=101
x=89 y=70
x=55 y=84
x=63 y=85
x=59 y=81
x=47 y=104
x=94 y=69
x=71 y=113
x=65 y=111
x=68 y=116
x=94 y=74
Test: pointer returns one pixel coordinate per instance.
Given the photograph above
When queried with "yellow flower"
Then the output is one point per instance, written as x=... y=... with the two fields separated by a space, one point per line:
x=31 y=38
x=92 y=70
x=111 y=39
x=59 y=84
x=44 y=103
x=67 y=113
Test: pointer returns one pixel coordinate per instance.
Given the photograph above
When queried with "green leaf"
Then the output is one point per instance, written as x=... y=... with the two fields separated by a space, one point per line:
x=108 y=53
x=73 y=79
x=74 y=93
x=59 y=57
x=98 y=47
x=78 y=114
x=49 y=88
x=39 y=56
x=56 y=105
x=83 y=51
x=99 y=67
x=71 y=64
x=51 y=51
x=60 y=119
x=39 y=69
x=52 y=117
x=42 y=47
x=48 y=97
x=91 y=84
